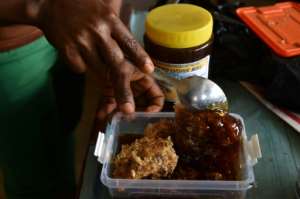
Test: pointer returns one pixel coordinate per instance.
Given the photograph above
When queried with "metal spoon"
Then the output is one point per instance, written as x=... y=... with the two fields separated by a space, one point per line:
x=200 y=93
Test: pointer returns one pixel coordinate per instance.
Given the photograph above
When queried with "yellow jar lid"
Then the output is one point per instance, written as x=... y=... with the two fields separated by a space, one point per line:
x=179 y=25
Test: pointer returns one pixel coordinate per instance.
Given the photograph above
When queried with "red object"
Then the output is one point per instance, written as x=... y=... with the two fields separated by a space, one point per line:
x=277 y=25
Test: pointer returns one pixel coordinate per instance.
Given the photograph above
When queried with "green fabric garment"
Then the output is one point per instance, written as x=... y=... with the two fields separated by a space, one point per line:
x=36 y=156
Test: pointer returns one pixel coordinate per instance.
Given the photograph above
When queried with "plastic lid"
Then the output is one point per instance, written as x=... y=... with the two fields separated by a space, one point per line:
x=278 y=26
x=179 y=25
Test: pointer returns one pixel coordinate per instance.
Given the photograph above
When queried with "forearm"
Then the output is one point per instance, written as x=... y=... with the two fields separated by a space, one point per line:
x=26 y=11
x=19 y=11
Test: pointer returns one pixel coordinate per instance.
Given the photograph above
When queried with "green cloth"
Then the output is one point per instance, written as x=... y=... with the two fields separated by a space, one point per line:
x=36 y=156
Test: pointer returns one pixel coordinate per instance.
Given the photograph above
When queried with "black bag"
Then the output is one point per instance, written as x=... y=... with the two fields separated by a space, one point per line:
x=240 y=55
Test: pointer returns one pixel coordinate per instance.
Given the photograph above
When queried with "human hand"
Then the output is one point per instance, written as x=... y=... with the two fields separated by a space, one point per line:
x=85 y=33
x=148 y=96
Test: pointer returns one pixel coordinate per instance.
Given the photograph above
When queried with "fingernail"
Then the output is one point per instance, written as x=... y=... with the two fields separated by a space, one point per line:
x=127 y=108
x=153 y=109
x=149 y=67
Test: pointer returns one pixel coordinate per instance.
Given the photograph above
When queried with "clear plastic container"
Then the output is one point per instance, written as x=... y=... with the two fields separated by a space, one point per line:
x=106 y=150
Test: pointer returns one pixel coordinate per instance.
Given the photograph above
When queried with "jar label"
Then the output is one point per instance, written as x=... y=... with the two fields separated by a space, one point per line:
x=178 y=71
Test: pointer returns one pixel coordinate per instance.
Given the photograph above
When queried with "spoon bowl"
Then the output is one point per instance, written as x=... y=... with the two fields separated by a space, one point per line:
x=200 y=93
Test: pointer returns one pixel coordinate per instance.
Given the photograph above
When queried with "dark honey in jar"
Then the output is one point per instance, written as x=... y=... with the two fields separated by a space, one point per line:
x=179 y=40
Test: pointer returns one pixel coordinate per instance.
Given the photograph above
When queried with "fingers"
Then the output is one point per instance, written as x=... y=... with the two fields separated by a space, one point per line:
x=109 y=49
x=108 y=106
x=122 y=88
x=154 y=96
x=74 y=58
x=121 y=72
x=108 y=103
x=134 y=50
x=114 y=4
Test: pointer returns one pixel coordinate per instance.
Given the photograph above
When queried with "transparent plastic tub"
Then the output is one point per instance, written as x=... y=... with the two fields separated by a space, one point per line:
x=106 y=150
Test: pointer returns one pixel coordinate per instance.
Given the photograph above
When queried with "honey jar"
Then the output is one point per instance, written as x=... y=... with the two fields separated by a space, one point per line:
x=179 y=39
